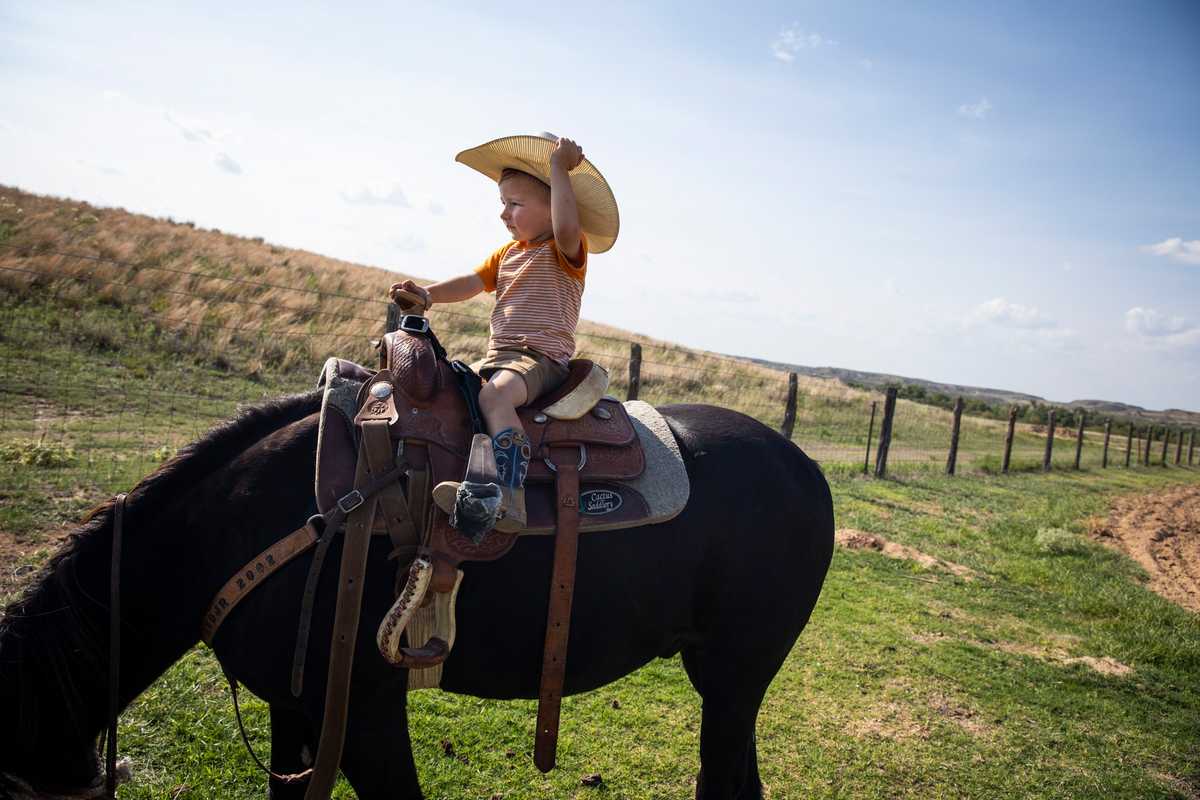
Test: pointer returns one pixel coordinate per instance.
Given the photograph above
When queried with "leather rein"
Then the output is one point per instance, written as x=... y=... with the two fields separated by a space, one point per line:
x=114 y=648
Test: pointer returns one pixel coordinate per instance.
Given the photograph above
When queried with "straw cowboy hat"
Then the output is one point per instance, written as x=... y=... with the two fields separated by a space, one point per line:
x=597 y=207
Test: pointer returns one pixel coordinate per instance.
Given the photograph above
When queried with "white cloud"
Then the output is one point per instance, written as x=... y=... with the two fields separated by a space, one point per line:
x=999 y=311
x=976 y=110
x=1177 y=249
x=1161 y=330
x=227 y=164
x=793 y=39
x=1151 y=322
x=408 y=243
x=390 y=197
x=194 y=132
x=101 y=168
x=436 y=208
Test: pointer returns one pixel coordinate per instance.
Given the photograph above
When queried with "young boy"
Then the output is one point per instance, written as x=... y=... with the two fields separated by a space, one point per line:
x=555 y=218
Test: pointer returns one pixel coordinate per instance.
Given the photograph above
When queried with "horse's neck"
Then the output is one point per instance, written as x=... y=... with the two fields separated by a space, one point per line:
x=54 y=660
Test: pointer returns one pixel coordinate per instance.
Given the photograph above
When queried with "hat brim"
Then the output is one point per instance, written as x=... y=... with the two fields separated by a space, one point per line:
x=598 y=214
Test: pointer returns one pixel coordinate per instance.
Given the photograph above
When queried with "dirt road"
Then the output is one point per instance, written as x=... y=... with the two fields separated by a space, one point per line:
x=1160 y=531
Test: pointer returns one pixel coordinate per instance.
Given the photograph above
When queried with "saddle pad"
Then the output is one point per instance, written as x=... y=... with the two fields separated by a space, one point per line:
x=337 y=446
x=661 y=491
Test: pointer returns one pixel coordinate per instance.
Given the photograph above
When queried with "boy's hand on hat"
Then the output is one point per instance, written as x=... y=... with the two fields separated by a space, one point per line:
x=567 y=153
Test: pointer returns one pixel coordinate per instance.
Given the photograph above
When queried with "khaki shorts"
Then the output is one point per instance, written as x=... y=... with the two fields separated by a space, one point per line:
x=540 y=373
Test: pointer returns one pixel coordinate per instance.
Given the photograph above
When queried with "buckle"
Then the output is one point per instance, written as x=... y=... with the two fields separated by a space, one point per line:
x=351 y=501
x=582 y=459
x=414 y=323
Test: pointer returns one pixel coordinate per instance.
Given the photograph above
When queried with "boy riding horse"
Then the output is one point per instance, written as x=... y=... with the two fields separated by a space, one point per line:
x=557 y=207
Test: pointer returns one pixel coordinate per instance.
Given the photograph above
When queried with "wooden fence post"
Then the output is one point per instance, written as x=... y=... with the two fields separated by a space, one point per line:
x=1129 y=445
x=1191 y=445
x=1079 y=437
x=952 y=459
x=1179 y=449
x=885 y=432
x=635 y=371
x=393 y=318
x=1008 y=438
x=1149 y=441
x=789 y=410
x=1049 y=442
x=1107 y=434
x=1166 y=444
x=871 y=429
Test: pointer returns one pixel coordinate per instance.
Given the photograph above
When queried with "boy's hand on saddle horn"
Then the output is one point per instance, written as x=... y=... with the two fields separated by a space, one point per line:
x=403 y=294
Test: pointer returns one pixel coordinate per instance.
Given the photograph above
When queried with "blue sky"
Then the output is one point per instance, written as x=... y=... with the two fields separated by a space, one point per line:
x=1004 y=195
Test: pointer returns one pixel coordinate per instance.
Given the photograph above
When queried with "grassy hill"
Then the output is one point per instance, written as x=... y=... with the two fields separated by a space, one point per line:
x=1026 y=660
x=123 y=336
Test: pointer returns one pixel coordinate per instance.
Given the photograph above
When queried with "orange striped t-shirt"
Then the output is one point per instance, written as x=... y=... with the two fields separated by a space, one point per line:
x=538 y=292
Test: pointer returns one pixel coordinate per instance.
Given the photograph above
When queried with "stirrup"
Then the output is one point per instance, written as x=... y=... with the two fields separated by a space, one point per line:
x=476 y=509
x=474 y=504
x=512 y=502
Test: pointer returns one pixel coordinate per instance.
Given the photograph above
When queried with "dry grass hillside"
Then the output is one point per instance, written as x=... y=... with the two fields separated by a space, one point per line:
x=265 y=317
x=231 y=290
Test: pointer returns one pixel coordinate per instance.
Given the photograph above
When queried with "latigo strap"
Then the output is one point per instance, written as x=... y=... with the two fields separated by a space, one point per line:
x=558 y=620
x=355 y=546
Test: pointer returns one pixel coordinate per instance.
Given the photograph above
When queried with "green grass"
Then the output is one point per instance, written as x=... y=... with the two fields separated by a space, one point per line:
x=908 y=682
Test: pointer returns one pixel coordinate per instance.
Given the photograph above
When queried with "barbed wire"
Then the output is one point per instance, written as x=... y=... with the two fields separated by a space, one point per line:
x=753 y=383
x=35 y=251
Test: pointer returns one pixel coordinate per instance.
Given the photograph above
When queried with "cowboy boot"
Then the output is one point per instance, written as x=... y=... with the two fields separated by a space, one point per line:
x=512 y=453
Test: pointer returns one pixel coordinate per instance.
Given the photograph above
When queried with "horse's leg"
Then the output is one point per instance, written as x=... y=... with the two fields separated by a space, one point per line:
x=378 y=759
x=732 y=689
x=292 y=749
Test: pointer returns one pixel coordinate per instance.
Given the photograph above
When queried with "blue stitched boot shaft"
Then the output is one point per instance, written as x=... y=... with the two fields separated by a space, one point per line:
x=512 y=452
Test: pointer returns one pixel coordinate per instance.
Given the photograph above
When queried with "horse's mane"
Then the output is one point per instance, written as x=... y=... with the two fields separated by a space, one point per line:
x=191 y=464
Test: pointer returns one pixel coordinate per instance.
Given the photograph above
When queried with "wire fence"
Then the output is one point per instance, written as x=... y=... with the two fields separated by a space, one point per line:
x=110 y=365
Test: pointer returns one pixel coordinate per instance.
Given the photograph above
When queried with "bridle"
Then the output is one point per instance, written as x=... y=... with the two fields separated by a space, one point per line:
x=114 y=667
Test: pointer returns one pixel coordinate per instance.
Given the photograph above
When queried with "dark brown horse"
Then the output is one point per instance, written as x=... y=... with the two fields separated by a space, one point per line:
x=730 y=584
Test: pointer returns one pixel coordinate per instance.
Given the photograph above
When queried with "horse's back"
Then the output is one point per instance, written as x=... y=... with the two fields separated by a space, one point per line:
x=755 y=538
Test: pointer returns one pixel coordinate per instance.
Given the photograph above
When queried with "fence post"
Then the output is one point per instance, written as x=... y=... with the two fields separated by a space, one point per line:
x=1191 y=445
x=1049 y=442
x=952 y=459
x=1149 y=441
x=1166 y=444
x=1107 y=433
x=789 y=411
x=1179 y=449
x=393 y=318
x=1008 y=438
x=885 y=432
x=871 y=429
x=1129 y=445
x=1079 y=437
x=635 y=371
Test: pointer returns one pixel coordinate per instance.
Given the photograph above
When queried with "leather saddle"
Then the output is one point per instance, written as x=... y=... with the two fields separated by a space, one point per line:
x=432 y=425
